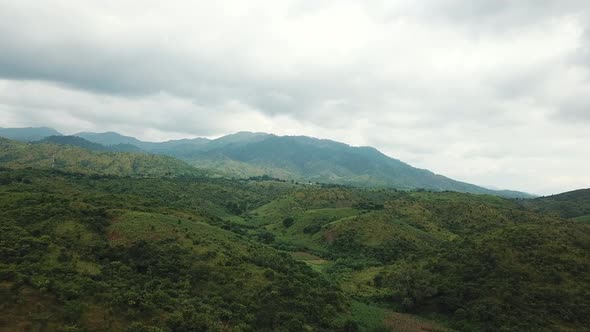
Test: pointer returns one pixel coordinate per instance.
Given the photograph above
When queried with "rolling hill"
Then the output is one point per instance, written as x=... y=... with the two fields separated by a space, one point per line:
x=71 y=158
x=571 y=204
x=28 y=134
x=113 y=139
x=104 y=253
x=297 y=158
x=85 y=144
x=300 y=158
x=96 y=245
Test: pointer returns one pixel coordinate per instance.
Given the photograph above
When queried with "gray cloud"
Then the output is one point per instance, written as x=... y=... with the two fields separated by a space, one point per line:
x=478 y=90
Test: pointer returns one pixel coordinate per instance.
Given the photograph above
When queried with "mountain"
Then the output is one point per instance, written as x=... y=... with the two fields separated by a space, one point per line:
x=297 y=158
x=301 y=158
x=109 y=138
x=114 y=139
x=28 y=134
x=85 y=144
x=317 y=160
x=71 y=158
x=100 y=241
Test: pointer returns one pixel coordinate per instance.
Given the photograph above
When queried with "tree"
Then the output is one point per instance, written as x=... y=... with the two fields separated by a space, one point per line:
x=266 y=237
x=288 y=222
x=412 y=284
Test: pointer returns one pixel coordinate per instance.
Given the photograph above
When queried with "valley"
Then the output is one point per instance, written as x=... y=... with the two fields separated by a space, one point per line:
x=141 y=242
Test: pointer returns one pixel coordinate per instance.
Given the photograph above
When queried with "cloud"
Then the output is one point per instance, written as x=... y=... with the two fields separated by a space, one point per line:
x=491 y=92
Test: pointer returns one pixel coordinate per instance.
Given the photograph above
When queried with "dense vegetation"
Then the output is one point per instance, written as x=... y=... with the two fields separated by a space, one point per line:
x=108 y=253
x=28 y=134
x=82 y=143
x=85 y=247
x=485 y=262
x=573 y=204
x=75 y=159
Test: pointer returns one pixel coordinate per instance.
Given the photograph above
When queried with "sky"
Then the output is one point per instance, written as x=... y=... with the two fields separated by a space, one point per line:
x=491 y=92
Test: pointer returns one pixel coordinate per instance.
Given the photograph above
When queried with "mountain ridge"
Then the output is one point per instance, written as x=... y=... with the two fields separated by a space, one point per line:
x=298 y=158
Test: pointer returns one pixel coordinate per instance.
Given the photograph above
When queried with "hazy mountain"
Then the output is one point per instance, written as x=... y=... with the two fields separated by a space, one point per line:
x=83 y=143
x=109 y=138
x=327 y=161
x=112 y=138
x=299 y=158
x=68 y=158
x=28 y=134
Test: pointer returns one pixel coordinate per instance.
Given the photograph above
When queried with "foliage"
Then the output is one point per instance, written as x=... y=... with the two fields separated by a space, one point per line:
x=93 y=244
x=112 y=247
x=288 y=222
x=412 y=285
x=567 y=205
x=70 y=158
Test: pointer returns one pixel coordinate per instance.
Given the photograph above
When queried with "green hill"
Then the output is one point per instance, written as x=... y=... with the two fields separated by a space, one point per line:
x=115 y=139
x=28 y=134
x=481 y=260
x=75 y=159
x=85 y=144
x=106 y=253
x=137 y=242
x=572 y=204
x=300 y=158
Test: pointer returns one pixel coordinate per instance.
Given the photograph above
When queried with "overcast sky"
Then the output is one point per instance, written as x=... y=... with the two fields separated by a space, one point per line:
x=492 y=92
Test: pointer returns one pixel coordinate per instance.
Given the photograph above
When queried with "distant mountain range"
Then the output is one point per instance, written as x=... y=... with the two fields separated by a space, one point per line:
x=297 y=158
x=85 y=158
x=86 y=144
x=28 y=134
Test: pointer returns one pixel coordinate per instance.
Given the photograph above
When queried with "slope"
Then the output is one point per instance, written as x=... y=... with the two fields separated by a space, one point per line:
x=300 y=158
x=483 y=262
x=28 y=134
x=85 y=144
x=172 y=148
x=310 y=159
x=572 y=204
x=74 y=159
x=99 y=253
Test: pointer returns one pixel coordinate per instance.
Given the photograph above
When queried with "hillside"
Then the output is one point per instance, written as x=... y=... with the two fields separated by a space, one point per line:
x=297 y=158
x=70 y=158
x=28 y=134
x=114 y=139
x=85 y=144
x=300 y=158
x=103 y=253
x=481 y=260
x=310 y=159
x=95 y=251
x=572 y=204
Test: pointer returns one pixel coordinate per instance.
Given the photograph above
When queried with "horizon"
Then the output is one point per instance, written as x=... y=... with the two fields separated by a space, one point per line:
x=479 y=92
x=487 y=186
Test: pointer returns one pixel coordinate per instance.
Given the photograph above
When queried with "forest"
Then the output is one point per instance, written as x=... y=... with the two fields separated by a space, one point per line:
x=132 y=242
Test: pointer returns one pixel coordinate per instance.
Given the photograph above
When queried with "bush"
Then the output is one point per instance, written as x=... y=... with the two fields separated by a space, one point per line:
x=288 y=222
